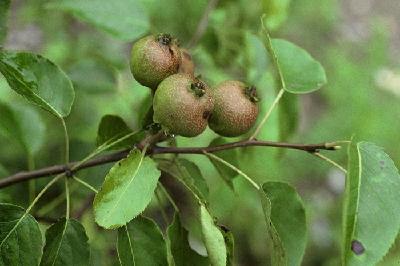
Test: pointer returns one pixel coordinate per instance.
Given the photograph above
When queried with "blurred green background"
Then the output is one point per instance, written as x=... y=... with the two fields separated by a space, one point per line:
x=357 y=41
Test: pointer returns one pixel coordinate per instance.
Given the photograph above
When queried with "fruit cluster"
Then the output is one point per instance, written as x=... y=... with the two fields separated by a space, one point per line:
x=184 y=104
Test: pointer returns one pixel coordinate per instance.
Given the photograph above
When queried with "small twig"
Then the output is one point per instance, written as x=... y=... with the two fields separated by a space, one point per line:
x=85 y=184
x=203 y=23
x=67 y=198
x=113 y=157
x=250 y=180
x=319 y=155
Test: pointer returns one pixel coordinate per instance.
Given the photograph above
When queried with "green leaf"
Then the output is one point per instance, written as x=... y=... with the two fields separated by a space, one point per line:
x=180 y=172
x=66 y=244
x=141 y=242
x=288 y=116
x=276 y=12
x=24 y=124
x=20 y=237
x=4 y=6
x=286 y=222
x=371 y=215
x=126 y=191
x=179 y=246
x=301 y=72
x=231 y=156
x=38 y=80
x=194 y=172
x=213 y=239
x=124 y=19
x=111 y=129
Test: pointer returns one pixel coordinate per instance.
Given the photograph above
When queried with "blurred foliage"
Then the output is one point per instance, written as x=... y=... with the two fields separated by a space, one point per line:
x=97 y=62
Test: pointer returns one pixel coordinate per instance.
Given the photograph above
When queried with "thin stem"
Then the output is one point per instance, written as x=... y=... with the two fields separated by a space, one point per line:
x=163 y=213
x=67 y=198
x=58 y=177
x=168 y=196
x=85 y=184
x=319 y=155
x=251 y=181
x=66 y=137
x=113 y=157
x=267 y=115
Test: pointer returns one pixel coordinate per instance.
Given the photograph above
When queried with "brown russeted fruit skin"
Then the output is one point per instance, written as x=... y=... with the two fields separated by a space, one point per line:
x=180 y=107
x=235 y=111
x=187 y=64
x=153 y=58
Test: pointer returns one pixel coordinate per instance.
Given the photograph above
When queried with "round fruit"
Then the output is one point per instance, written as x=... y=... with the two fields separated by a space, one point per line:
x=153 y=58
x=182 y=104
x=235 y=108
x=187 y=64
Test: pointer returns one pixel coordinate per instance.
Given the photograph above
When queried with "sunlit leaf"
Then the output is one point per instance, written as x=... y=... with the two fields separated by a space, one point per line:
x=124 y=19
x=276 y=12
x=141 y=242
x=179 y=246
x=371 y=207
x=66 y=244
x=38 y=80
x=286 y=223
x=20 y=237
x=213 y=239
x=126 y=191
x=301 y=72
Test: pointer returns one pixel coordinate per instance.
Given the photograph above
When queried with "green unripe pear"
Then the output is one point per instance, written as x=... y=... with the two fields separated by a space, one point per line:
x=153 y=58
x=235 y=108
x=182 y=105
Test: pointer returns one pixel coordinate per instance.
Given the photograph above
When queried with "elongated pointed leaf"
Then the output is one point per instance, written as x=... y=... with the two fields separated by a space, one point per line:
x=179 y=246
x=23 y=124
x=194 y=172
x=301 y=72
x=286 y=223
x=180 y=172
x=123 y=19
x=20 y=237
x=371 y=207
x=112 y=128
x=38 y=80
x=213 y=239
x=4 y=6
x=126 y=191
x=141 y=242
x=66 y=244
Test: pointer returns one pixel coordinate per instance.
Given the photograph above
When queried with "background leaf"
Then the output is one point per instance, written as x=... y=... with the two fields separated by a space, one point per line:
x=213 y=239
x=23 y=124
x=276 y=12
x=141 y=242
x=66 y=244
x=4 y=6
x=38 y=80
x=371 y=207
x=231 y=156
x=124 y=19
x=179 y=246
x=301 y=72
x=112 y=128
x=126 y=191
x=20 y=245
x=286 y=222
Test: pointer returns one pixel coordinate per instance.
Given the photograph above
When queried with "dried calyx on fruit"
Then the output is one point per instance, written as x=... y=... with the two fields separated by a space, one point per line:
x=235 y=108
x=154 y=58
x=182 y=104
